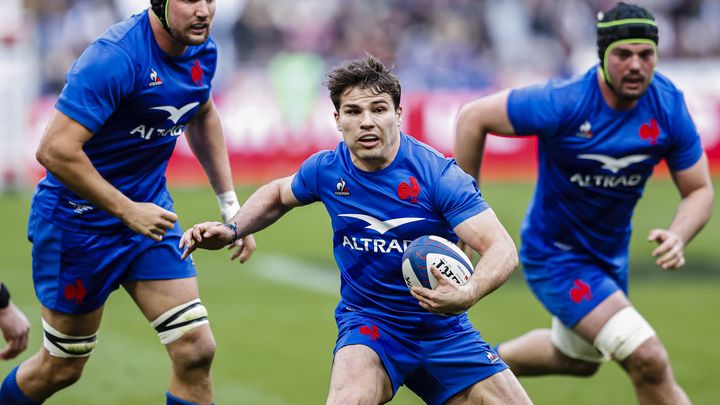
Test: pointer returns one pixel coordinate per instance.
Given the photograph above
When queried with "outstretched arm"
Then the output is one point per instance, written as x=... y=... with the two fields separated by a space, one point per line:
x=692 y=214
x=486 y=235
x=204 y=134
x=61 y=152
x=474 y=121
x=262 y=208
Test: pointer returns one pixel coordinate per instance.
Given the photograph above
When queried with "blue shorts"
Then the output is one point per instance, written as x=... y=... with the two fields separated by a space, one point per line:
x=435 y=366
x=572 y=288
x=75 y=272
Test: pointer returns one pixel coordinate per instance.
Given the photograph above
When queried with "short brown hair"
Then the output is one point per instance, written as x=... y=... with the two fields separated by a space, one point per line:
x=368 y=73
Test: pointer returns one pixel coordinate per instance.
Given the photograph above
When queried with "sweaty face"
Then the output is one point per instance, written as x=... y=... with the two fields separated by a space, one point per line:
x=370 y=126
x=631 y=67
x=190 y=20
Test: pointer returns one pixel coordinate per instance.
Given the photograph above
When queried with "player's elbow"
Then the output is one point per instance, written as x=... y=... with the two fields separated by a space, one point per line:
x=469 y=120
x=45 y=155
x=52 y=155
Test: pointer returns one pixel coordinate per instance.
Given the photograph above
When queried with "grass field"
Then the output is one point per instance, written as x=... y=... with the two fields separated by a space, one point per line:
x=272 y=317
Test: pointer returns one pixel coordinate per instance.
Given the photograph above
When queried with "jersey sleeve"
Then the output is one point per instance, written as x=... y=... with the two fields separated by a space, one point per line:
x=686 y=147
x=305 y=183
x=457 y=196
x=534 y=110
x=96 y=84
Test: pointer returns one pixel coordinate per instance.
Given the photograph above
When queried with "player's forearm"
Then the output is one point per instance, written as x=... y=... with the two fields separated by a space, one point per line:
x=262 y=209
x=205 y=137
x=75 y=170
x=693 y=213
x=494 y=268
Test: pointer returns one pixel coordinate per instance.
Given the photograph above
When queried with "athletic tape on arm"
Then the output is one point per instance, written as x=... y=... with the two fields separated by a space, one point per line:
x=229 y=205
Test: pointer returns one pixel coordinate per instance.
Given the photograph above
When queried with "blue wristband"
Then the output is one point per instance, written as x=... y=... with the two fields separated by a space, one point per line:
x=233 y=227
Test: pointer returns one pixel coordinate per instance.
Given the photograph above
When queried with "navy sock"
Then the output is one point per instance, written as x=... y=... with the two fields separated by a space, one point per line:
x=173 y=400
x=10 y=393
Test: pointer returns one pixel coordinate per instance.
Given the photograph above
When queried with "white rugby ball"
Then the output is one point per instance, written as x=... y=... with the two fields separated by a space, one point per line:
x=434 y=250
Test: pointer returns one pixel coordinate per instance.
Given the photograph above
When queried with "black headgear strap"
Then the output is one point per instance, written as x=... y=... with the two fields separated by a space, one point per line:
x=159 y=8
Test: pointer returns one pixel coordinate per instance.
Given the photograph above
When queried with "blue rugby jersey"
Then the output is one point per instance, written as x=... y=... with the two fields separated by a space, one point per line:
x=136 y=100
x=594 y=162
x=375 y=215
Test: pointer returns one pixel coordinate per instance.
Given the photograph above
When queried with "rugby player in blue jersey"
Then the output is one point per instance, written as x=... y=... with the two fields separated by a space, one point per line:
x=600 y=135
x=102 y=217
x=382 y=189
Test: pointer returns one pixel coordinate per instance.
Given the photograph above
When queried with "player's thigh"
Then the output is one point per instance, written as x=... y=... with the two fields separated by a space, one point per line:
x=73 y=324
x=155 y=297
x=74 y=272
x=590 y=325
x=501 y=388
x=358 y=368
x=453 y=360
x=161 y=260
x=159 y=279
x=571 y=290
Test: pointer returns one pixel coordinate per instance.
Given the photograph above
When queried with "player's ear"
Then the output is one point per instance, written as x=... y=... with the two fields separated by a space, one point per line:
x=337 y=121
x=398 y=112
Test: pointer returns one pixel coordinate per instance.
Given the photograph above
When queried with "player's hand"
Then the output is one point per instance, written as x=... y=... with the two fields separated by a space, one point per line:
x=670 y=252
x=207 y=235
x=149 y=220
x=15 y=328
x=447 y=297
x=244 y=248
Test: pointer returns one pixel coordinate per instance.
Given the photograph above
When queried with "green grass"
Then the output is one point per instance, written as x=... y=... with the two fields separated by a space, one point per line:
x=275 y=340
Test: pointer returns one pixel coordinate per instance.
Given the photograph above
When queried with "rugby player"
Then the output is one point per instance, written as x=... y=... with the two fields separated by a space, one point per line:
x=102 y=217
x=382 y=189
x=600 y=135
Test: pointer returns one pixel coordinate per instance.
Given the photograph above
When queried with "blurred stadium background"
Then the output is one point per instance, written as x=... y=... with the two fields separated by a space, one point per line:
x=272 y=317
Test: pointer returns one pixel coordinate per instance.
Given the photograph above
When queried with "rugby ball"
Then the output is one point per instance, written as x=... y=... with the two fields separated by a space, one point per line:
x=434 y=250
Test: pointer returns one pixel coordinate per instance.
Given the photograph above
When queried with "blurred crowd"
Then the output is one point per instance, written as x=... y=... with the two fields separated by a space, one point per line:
x=447 y=44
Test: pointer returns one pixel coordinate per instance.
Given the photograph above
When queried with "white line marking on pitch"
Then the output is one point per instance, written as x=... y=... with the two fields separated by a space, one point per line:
x=297 y=273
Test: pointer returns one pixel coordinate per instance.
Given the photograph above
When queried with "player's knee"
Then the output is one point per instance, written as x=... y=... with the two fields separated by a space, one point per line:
x=580 y=368
x=195 y=350
x=63 y=373
x=649 y=363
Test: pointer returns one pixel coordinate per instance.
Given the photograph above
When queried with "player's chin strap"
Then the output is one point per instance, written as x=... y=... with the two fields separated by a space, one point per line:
x=176 y=322
x=66 y=346
x=159 y=8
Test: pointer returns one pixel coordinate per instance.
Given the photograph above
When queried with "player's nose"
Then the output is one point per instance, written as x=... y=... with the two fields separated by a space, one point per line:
x=366 y=120
x=202 y=9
